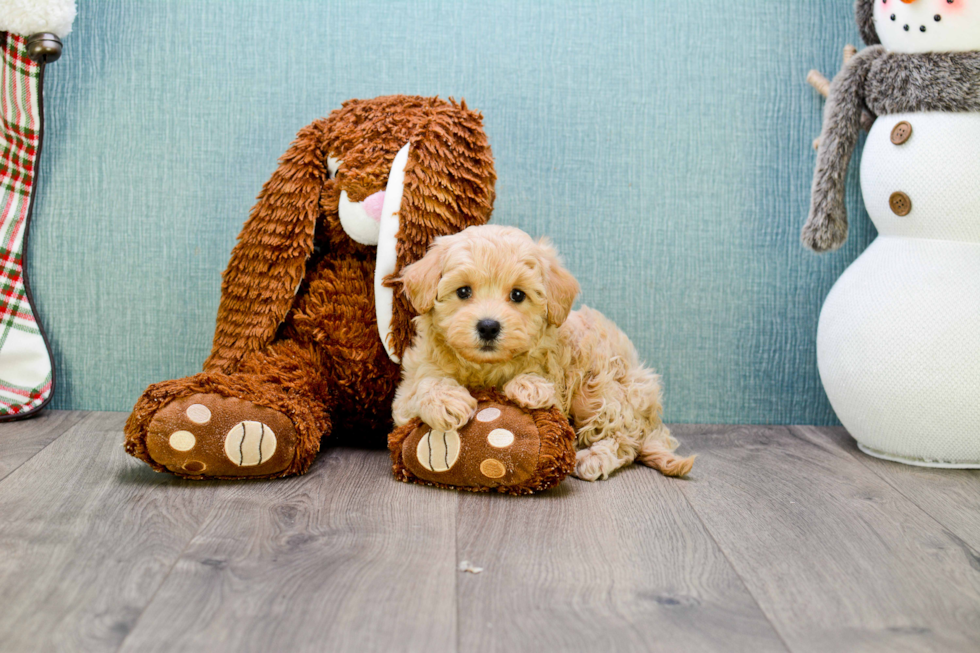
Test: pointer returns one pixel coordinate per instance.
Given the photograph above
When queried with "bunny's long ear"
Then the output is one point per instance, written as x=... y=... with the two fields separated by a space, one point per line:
x=447 y=185
x=269 y=261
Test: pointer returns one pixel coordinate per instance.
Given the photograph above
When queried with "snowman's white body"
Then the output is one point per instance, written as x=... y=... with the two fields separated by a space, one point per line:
x=898 y=344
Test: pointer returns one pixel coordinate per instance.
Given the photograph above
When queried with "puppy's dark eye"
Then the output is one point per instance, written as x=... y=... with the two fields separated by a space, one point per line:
x=464 y=293
x=517 y=296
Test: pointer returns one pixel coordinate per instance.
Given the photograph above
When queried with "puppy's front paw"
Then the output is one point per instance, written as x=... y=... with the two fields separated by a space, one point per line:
x=447 y=409
x=590 y=465
x=530 y=391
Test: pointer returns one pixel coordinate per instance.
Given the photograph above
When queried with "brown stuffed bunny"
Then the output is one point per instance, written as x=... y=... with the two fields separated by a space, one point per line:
x=312 y=323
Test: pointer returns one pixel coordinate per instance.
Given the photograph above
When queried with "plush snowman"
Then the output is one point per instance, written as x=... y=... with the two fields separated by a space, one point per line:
x=898 y=343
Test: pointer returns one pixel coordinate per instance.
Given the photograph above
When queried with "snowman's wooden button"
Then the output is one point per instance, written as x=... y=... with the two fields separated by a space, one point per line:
x=900 y=203
x=901 y=133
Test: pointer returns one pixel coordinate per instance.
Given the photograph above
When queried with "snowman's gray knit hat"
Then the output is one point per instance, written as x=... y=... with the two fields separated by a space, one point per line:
x=865 y=10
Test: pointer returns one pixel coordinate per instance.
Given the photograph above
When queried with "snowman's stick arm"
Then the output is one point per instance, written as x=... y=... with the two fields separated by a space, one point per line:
x=826 y=226
x=820 y=83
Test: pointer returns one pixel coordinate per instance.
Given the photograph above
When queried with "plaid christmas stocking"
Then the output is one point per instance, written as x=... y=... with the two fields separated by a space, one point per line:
x=26 y=376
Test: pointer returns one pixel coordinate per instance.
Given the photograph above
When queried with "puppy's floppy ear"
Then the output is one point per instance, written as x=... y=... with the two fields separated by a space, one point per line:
x=420 y=280
x=559 y=284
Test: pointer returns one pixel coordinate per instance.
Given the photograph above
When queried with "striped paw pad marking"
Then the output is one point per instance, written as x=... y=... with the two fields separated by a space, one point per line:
x=182 y=440
x=492 y=468
x=250 y=443
x=438 y=450
x=198 y=413
x=488 y=414
x=500 y=438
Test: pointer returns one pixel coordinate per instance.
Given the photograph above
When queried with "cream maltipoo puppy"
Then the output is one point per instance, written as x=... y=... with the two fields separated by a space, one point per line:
x=495 y=312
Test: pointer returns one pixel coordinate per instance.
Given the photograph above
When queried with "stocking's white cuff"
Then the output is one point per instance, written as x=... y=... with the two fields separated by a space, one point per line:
x=30 y=17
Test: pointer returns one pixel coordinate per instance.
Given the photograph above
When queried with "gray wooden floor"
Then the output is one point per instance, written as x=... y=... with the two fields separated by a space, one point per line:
x=785 y=538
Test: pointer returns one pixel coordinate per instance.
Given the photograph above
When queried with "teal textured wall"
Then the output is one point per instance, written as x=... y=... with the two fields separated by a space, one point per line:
x=664 y=147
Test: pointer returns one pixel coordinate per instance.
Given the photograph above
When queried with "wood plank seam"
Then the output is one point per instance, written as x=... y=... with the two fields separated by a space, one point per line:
x=735 y=570
x=163 y=580
x=80 y=513
x=869 y=465
x=900 y=581
x=602 y=576
x=828 y=445
x=328 y=519
x=71 y=426
x=26 y=460
x=456 y=573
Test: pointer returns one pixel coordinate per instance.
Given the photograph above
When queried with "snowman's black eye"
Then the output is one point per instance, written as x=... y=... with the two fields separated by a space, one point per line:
x=464 y=293
x=517 y=296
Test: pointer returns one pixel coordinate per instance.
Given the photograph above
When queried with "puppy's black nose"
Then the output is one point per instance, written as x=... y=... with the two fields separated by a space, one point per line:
x=488 y=329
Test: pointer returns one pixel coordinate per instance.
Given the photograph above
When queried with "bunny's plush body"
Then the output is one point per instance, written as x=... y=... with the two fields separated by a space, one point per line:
x=312 y=323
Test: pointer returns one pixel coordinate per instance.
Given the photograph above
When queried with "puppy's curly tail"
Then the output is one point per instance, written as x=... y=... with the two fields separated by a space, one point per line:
x=657 y=451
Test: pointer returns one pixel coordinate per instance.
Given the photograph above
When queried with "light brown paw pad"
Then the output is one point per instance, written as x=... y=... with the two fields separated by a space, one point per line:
x=210 y=435
x=492 y=468
x=501 y=446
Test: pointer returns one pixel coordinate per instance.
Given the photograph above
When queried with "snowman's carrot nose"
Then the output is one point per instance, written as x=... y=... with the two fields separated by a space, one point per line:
x=908 y=2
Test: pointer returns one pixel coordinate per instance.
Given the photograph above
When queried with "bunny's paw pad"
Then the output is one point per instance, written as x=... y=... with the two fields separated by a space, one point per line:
x=211 y=436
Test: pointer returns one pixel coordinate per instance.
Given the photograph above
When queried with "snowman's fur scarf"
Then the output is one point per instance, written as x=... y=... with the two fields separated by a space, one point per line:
x=545 y=353
x=883 y=83
x=30 y=17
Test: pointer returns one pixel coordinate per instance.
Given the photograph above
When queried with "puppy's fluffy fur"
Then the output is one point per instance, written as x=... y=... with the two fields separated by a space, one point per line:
x=544 y=354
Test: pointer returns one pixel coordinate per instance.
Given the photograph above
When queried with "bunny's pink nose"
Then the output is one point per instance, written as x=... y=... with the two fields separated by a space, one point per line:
x=373 y=203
